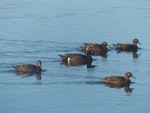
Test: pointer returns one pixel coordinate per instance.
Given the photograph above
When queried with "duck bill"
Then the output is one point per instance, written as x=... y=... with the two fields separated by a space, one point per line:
x=140 y=43
x=133 y=77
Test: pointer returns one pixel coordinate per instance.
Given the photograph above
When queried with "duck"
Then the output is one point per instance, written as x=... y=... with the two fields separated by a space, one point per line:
x=28 y=68
x=99 y=49
x=74 y=59
x=118 y=80
x=128 y=47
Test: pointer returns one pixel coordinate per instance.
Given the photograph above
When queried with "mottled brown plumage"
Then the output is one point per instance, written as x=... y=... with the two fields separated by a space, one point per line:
x=99 y=49
x=119 y=80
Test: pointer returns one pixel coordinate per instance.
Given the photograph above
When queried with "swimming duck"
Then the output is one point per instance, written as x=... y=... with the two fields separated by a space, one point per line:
x=128 y=47
x=29 y=68
x=119 y=80
x=99 y=49
x=78 y=59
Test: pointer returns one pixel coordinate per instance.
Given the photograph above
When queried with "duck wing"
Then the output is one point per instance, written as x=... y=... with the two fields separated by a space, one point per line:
x=122 y=46
x=25 y=68
x=113 y=79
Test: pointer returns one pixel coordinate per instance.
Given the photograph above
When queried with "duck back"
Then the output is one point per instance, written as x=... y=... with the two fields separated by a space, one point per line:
x=116 y=80
x=27 y=68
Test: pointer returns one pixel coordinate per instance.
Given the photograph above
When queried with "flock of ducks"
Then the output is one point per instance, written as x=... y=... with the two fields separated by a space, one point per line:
x=79 y=59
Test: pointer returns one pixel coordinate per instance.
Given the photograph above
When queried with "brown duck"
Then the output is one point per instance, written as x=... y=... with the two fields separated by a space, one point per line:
x=128 y=47
x=78 y=59
x=29 y=68
x=99 y=49
x=119 y=80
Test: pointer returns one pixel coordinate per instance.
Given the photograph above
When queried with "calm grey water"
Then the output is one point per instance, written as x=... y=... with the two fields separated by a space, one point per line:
x=33 y=30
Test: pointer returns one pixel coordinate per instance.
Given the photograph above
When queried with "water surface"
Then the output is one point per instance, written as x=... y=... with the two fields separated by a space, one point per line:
x=33 y=30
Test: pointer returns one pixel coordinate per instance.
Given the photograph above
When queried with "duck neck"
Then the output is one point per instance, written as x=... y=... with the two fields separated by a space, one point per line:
x=126 y=77
x=38 y=69
x=89 y=61
x=135 y=43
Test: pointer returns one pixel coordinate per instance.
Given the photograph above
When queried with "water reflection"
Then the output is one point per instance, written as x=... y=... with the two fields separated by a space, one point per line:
x=126 y=87
x=24 y=74
x=75 y=83
x=134 y=53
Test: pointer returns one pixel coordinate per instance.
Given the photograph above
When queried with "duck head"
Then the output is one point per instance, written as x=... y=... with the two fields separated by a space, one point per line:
x=38 y=63
x=135 y=42
x=128 y=75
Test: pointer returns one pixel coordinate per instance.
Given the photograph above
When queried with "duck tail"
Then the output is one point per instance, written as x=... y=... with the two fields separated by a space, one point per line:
x=63 y=57
x=86 y=43
x=83 y=47
x=13 y=66
x=60 y=55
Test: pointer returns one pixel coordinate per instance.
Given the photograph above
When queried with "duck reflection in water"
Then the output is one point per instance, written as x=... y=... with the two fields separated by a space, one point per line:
x=134 y=53
x=126 y=87
x=78 y=59
x=24 y=74
x=119 y=81
x=26 y=70
x=99 y=49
